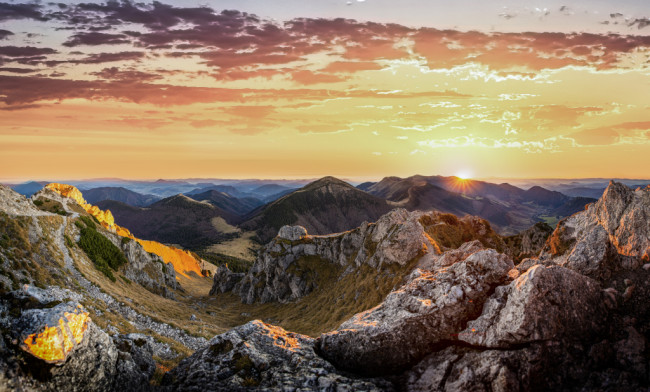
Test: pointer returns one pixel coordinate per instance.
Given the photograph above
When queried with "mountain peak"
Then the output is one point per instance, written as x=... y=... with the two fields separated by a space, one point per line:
x=325 y=181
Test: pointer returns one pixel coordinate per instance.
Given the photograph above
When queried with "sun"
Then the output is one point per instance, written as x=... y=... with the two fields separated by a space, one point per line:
x=464 y=175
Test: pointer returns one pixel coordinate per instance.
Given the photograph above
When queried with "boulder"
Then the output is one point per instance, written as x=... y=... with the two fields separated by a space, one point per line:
x=545 y=303
x=265 y=357
x=52 y=346
x=430 y=309
x=292 y=233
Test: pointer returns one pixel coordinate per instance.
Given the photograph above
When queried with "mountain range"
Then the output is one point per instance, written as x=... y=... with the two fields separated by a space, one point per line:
x=323 y=206
x=410 y=301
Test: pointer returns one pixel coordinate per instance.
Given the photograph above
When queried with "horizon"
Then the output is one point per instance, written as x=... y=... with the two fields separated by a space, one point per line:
x=191 y=180
x=362 y=89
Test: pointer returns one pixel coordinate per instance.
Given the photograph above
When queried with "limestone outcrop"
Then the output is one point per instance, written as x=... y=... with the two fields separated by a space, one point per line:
x=611 y=234
x=57 y=347
x=258 y=356
x=431 y=308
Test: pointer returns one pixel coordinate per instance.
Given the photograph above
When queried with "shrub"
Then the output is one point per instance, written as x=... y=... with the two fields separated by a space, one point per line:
x=103 y=253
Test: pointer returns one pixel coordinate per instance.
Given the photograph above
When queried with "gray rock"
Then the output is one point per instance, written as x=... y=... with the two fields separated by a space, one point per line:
x=431 y=308
x=545 y=303
x=56 y=348
x=397 y=239
x=292 y=233
x=146 y=269
x=265 y=357
x=224 y=280
x=611 y=234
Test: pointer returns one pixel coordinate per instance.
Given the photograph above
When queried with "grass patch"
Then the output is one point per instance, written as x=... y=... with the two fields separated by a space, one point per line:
x=235 y=264
x=50 y=205
x=100 y=250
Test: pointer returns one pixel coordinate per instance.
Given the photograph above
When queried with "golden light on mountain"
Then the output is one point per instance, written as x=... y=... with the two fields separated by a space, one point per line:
x=183 y=261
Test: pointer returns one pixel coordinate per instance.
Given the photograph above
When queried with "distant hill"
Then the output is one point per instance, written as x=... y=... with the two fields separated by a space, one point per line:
x=544 y=197
x=509 y=208
x=270 y=189
x=229 y=189
x=328 y=205
x=174 y=220
x=95 y=195
x=226 y=202
x=364 y=186
x=573 y=205
x=29 y=188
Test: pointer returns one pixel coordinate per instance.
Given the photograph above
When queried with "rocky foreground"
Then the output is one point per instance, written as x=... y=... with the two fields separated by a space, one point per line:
x=457 y=315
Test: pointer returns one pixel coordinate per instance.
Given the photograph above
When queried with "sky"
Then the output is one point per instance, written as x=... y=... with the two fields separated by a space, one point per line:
x=303 y=89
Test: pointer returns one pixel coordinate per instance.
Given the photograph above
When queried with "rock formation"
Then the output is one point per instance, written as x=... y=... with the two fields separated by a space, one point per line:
x=611 y=234
x=454 y=313
x=264 y=357
x=183 y=261
x=59 y=348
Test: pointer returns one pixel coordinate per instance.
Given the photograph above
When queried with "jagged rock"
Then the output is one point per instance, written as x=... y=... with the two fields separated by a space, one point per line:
x=433 y=307
x=135 y=365
x=261 y=356
x=397 y=238
x=545 y=303
x=611 y=234
x=529 y=242
x=459 y=369
x=292 y=233
x=146 y=269
x=224 y=280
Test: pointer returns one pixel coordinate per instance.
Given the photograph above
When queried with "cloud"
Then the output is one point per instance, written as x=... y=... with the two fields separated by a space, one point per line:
x=249 y=111
x=128 y=75
x=529 y=146
x=21 y=11
x=640 y=23
x=5 y=33
x=24 y=51
x=623 y=133
x=95 y=38
x=18 y=70
x=351 y=66
x=203 y=123
x=99 y=58
x=308 y=77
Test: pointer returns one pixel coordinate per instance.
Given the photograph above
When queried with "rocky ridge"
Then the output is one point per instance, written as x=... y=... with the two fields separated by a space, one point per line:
x=295 y=263
x=183 y=261
x=460 y=315
x=574 y=318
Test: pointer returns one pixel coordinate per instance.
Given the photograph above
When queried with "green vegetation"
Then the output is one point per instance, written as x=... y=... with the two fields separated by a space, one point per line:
x=50 y=205
x=235 y=264
x=126 y=280
x=550 y=220
x=68 y=241
x=103 y=253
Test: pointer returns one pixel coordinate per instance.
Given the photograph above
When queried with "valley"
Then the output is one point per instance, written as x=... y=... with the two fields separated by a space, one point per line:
x=329 y=289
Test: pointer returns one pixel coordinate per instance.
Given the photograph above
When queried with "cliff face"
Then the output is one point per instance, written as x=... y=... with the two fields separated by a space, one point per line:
x=465 y=318
x=183 y=261
x=610 y=235
x=294 y=264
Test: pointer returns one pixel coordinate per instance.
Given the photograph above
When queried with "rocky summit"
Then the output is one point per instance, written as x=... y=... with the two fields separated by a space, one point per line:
x=419 y=301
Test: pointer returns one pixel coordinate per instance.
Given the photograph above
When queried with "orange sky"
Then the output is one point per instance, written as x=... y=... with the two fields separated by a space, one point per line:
x=162 y=91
